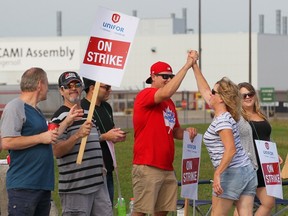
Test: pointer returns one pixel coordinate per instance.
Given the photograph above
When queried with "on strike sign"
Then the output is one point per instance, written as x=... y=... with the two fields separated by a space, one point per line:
x=269 y=160
x=271 y=173
x=106 y=53
x=108 y=47
x=190 y=166
x=190 y=171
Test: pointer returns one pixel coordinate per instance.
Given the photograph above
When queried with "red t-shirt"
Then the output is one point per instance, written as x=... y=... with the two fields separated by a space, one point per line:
x=153 y=130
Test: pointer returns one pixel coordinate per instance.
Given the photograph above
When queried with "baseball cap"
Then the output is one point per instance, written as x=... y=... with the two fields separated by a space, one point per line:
x=88 y=83
x=159 y=67
x=67 y=77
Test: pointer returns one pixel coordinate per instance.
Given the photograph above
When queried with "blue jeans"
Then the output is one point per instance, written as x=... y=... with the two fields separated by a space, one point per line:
x=25 y=202
x=110 y=185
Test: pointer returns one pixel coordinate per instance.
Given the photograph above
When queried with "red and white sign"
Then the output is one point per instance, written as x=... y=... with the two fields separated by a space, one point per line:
x=108 y=47
x=190 y=171
x=190 y=166
x=106 y=53
x=269 y=160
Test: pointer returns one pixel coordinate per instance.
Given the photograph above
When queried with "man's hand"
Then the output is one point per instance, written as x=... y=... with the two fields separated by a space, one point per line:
x=74 y=114
x=192 y=57
x=85 y=129
x=49 y=137
x=114 y=135
x=192 y=132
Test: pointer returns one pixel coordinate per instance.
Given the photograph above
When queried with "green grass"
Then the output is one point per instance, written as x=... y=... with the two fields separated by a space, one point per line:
x=124 y=154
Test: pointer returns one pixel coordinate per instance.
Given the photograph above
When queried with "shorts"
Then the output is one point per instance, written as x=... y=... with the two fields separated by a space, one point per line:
x=154 y=189
x=96 y=203
x=238 y=181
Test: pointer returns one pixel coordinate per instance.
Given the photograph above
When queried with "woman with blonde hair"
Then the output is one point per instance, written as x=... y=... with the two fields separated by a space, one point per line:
x=261 y=131
x=234 y=176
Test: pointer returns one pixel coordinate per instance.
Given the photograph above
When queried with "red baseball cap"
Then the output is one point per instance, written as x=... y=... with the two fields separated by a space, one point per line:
x=159 y=67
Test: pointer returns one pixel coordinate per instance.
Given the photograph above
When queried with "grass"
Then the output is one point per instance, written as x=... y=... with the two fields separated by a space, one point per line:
x=124 y=154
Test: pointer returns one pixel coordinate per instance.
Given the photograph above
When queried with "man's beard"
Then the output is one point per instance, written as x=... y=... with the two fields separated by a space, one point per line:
x=75 y=100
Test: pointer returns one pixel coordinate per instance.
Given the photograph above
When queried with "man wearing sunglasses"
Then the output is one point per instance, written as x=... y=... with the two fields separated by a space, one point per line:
x=155 y=127
x=81 y=187
x=103 y=116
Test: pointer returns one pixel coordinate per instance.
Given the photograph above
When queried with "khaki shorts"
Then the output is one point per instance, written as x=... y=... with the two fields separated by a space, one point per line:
x=154 y=189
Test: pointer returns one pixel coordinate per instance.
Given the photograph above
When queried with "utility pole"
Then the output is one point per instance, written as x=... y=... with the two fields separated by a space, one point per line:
x=250 y=48
x=199 y=34
x=59 y=23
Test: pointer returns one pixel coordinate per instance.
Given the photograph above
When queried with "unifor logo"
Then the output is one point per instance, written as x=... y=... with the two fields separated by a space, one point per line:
x=267 y=145
x=115 y=18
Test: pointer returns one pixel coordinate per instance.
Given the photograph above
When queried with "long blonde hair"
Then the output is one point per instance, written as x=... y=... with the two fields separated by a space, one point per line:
x=231 y=96
x=256 y=107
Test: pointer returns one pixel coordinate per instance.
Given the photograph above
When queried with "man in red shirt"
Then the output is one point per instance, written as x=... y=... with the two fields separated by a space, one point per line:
x=155 y=126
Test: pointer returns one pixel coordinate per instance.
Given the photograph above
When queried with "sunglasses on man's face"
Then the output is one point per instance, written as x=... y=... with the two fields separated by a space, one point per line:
x=107 y=87
x=166 y=76
x=249 y=94
x=72 y=85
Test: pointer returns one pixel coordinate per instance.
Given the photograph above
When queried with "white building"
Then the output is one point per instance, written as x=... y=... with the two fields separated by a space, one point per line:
x=158 y=40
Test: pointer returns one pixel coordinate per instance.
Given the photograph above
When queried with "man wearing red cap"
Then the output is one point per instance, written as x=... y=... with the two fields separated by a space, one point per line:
x=155 y=127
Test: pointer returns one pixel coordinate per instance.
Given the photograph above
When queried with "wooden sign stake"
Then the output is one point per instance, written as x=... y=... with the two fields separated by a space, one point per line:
x=89 y=118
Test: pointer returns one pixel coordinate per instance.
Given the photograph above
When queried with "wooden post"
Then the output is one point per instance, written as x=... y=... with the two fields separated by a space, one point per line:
x=89 y=118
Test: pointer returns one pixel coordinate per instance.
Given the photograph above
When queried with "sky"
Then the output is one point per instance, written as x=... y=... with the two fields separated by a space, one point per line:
x=36 y=18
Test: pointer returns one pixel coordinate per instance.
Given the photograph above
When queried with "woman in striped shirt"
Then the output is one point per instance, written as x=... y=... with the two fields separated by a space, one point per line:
x=234 y=175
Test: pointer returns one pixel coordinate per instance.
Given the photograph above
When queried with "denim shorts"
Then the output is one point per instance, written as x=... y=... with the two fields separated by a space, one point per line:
x=238 y=181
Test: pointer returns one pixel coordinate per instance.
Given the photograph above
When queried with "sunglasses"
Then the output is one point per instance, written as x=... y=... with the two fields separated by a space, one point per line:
x=107 y=87
x=166 y=76
x=72 y=85
x=214 y=92
x=250 y=95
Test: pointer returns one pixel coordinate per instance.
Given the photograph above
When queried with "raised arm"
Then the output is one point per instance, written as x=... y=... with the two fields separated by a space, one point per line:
x=171 y=87
x=202 y=84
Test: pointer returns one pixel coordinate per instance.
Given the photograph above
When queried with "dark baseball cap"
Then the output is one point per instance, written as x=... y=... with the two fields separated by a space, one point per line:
x=67 y=77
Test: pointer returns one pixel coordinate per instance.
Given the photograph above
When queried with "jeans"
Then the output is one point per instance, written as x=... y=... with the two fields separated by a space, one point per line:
x=110 y=185
x=25 y=202
x=238 y=181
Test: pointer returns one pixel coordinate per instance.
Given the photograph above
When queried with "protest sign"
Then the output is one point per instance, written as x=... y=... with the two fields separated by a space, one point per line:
x=269 y=160
x=190 y=166
x=106 y=55
x=108 y=47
